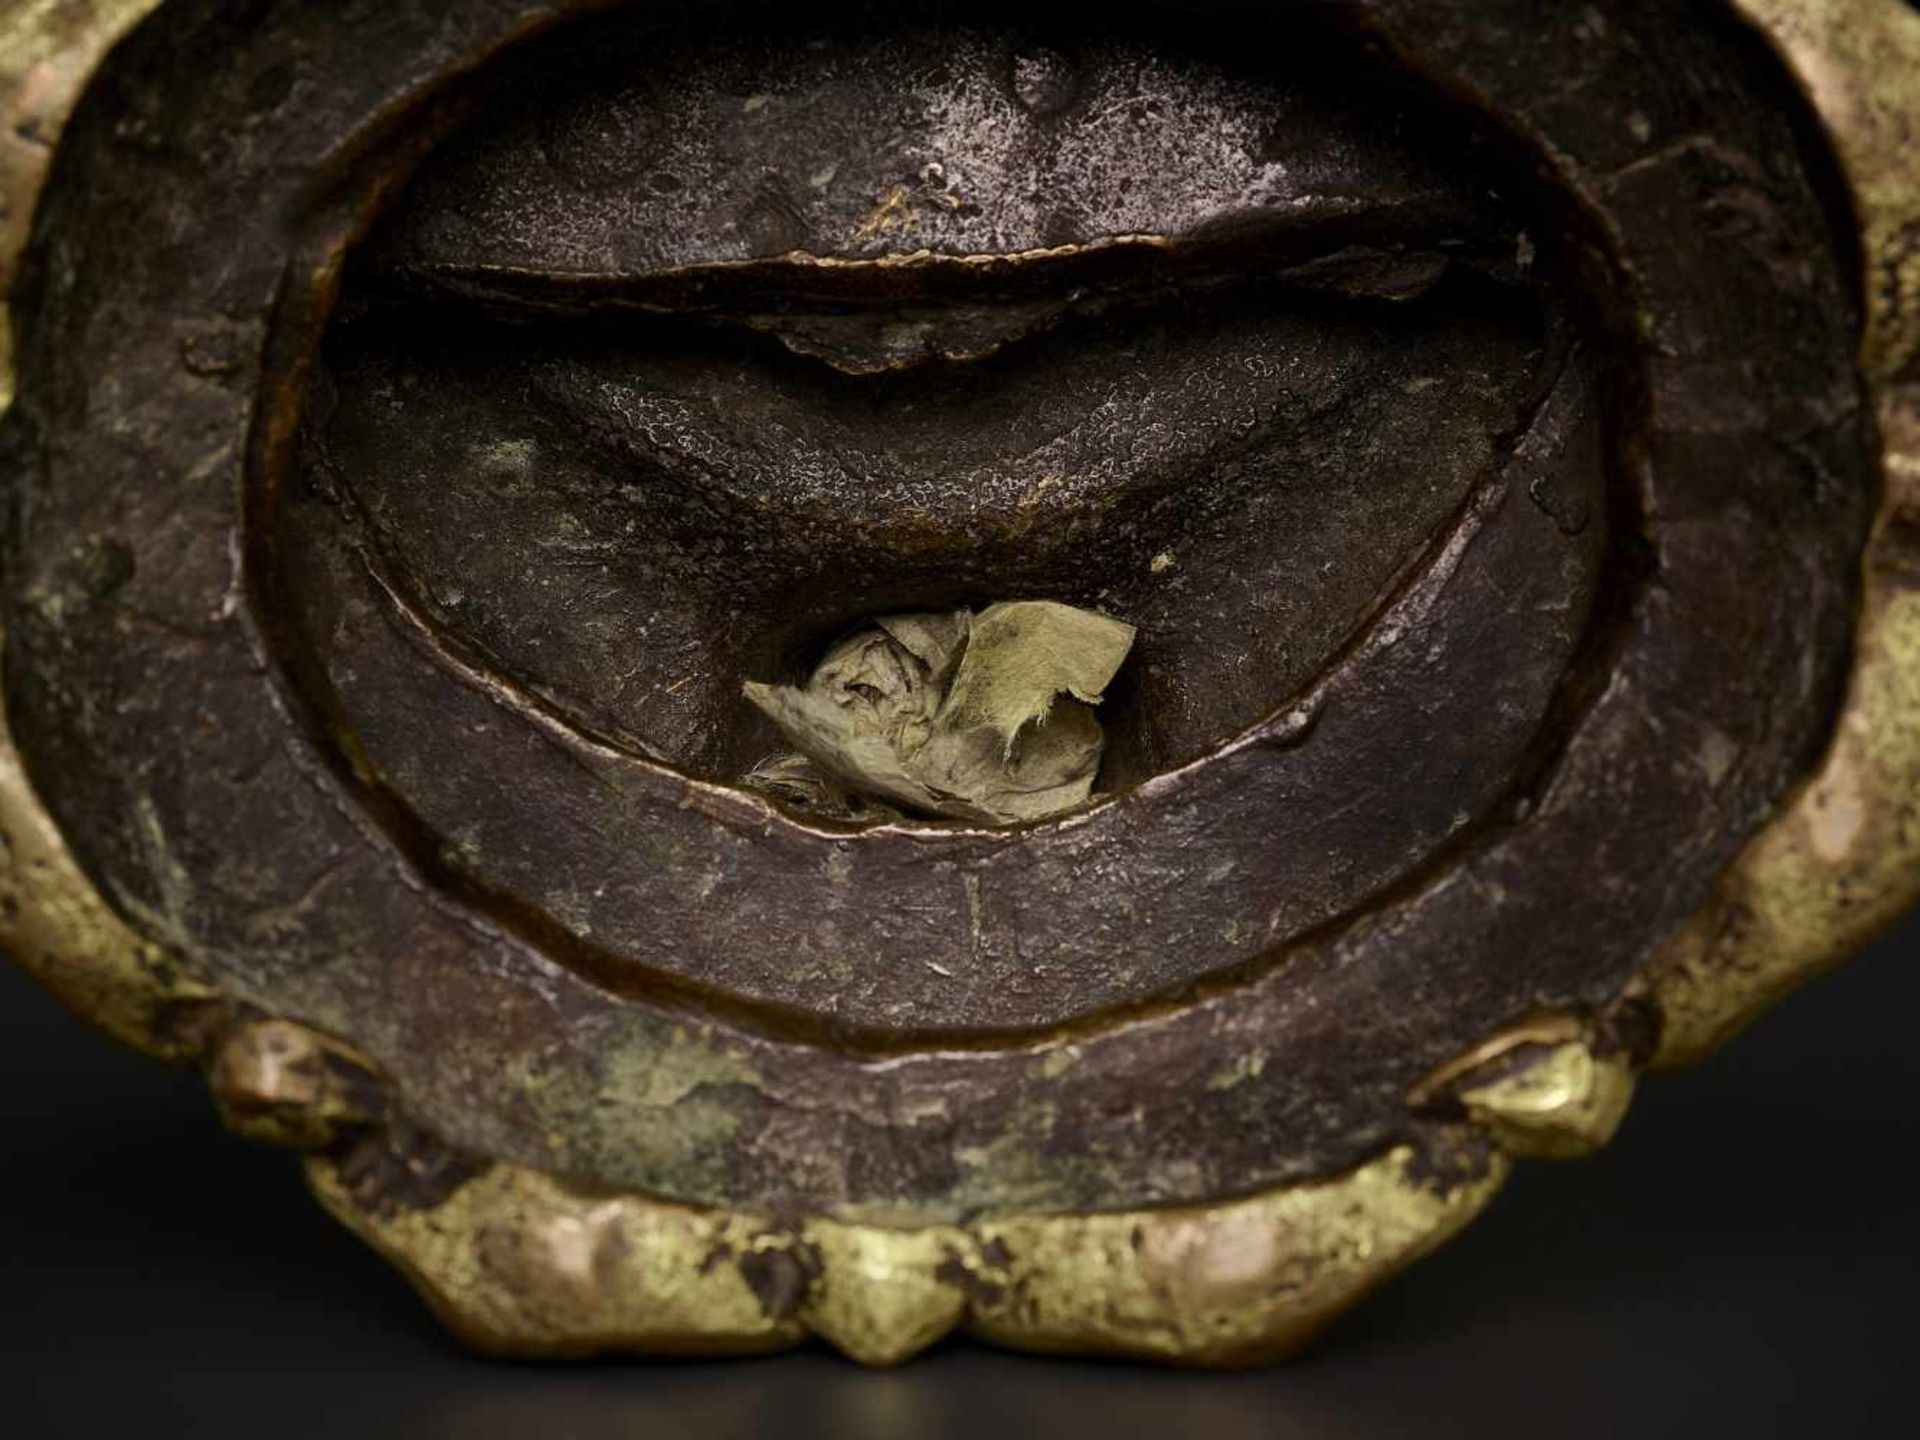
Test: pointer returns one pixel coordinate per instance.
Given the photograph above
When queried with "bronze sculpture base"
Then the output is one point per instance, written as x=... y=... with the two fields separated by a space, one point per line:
x=520 y=1261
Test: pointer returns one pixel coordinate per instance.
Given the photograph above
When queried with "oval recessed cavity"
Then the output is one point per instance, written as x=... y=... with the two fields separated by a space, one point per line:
x=596 y=458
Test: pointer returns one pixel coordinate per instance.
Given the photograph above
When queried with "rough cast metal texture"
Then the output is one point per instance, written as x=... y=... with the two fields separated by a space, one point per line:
x=428 y=416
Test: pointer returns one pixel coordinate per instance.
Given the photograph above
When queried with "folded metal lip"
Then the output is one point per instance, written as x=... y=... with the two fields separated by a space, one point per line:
x=867 y=315
x=1305 y=229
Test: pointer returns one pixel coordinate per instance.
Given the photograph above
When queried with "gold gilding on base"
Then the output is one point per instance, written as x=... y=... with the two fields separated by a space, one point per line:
x=1556 y=1103
x=1546 y=1088
x=882 y=1296
x=517 y=1262
x=1242 y=1283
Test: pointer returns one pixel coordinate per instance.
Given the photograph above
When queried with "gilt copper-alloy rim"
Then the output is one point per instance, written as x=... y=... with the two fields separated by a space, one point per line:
x=1226 y=1231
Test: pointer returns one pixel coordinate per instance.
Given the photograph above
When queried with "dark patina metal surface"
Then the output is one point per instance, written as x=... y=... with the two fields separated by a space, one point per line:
x=1477 y=440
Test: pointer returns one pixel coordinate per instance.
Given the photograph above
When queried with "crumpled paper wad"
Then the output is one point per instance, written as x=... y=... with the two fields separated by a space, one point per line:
x=986 y=718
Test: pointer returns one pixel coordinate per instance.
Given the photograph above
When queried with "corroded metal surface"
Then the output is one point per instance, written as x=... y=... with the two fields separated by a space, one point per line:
x=709 y=1113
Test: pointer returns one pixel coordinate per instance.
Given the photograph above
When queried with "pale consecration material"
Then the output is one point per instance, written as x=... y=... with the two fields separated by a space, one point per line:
x=987 y=717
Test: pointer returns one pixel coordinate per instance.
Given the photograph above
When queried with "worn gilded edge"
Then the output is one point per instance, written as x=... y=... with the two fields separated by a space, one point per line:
x=1564 y=1103
x=1241 y=1283
x=52 y=920
x=1548 y=1087
x=518 y=1262
x=54 y=923
x=1842 y=860
x=48 y=51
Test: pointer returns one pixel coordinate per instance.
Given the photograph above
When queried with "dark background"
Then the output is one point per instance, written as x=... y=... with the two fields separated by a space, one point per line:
x=1741 y=1262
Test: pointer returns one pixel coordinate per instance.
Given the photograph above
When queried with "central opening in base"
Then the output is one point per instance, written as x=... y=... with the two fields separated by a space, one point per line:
x=691 y=355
